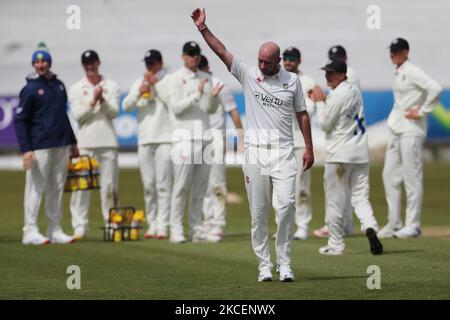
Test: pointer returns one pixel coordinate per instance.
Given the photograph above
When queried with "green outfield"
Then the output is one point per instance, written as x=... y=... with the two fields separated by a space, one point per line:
x=155 y=269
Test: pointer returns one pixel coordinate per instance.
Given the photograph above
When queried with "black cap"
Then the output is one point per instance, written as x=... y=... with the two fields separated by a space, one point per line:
x=152 y=56
x=203 y=62
x=399 y=44
x=191 y=48
x=338 y=66
x=337 y=52
x=89 y=56
x=292 y=52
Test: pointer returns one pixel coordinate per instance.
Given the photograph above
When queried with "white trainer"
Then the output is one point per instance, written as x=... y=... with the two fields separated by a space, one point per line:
x=301 y=234
x=35 y=238
x=330 y=251
x=386 y=232
x=265 y=275
x=151 y=233
x=322 y=232
x=406 y=232
x=217 y=231
x=60 y=237
x=286 y=274
x=200 y=236
x=80 y=233
x=177 y=238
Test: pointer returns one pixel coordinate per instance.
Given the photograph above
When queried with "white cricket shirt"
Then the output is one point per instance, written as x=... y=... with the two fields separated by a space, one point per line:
x=96 y=128
x=342 y=119
x=308 y=84
x=269 y=104
x=413 y=89
x=154 y=123
x=217 y=120
x=189 y=110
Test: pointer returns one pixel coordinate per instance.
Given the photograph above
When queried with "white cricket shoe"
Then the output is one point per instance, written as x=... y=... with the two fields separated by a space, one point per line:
x=286 y=274
x=80 y=233
x=60 y=237
x=301 y=234
x=35 y=238
x=330 y=251
x=201 y=236
x=161 y=235
x=406 y=232
x=265 y=275
x=386 y=232
x=217 y=231
x=151 y=233
x=177 y=238
x=322 y=232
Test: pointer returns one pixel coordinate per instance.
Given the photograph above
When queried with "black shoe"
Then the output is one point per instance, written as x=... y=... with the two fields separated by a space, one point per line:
x=375 y=245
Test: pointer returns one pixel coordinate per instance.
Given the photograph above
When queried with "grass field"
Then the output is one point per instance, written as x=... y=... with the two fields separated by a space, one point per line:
x=155 y=269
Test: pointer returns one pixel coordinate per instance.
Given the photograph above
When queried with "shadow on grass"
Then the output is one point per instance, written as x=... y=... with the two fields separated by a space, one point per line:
x=333 y=278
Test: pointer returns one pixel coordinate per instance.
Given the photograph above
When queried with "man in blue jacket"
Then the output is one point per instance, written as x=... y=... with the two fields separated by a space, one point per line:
x=46 y=140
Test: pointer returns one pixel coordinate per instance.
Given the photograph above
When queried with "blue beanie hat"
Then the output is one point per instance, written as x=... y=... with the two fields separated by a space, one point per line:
x=41 y=53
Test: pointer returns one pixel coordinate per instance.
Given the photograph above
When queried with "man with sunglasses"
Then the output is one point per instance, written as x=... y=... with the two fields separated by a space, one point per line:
x=154 y=143
x=303 y=209
x=191 y=98
x=94 y=103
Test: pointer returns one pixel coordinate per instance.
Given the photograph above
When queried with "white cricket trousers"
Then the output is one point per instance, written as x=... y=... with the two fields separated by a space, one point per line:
x=404 y=164
x=156 y=174
x=109 y=187
x=215 y=201
x=266 y=169
x=303 y=207
x=342 y=180
x=190 y=173
x=47 y=175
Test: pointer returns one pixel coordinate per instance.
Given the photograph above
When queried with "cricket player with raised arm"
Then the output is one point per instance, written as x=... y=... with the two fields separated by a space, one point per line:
x=214 y=204
x=341 y=116
x=415 y=96
x=191 y=98
x=338 y=52
x=271 y=96
x=303 y=201
x=94 y=103
x=46 y=141
x=154 y=144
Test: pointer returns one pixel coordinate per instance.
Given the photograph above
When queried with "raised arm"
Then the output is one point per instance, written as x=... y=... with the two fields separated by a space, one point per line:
x=199 y=18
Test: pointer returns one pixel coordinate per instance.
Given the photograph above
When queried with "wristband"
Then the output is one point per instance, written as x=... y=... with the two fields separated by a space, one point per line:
x=202 y=28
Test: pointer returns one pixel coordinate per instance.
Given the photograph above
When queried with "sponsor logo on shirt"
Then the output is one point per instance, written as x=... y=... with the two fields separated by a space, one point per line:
x=41 y=92
x=268 y=100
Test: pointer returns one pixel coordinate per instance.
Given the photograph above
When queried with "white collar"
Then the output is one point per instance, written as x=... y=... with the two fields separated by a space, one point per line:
x=189 y=73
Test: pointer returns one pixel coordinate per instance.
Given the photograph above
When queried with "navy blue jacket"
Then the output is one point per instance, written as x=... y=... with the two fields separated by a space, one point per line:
x=41 y=120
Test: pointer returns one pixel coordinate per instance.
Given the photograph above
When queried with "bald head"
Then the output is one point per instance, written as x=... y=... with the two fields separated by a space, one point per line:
x=269 y=58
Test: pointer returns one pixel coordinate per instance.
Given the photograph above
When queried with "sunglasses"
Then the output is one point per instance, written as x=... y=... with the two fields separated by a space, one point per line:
x=290 y=58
